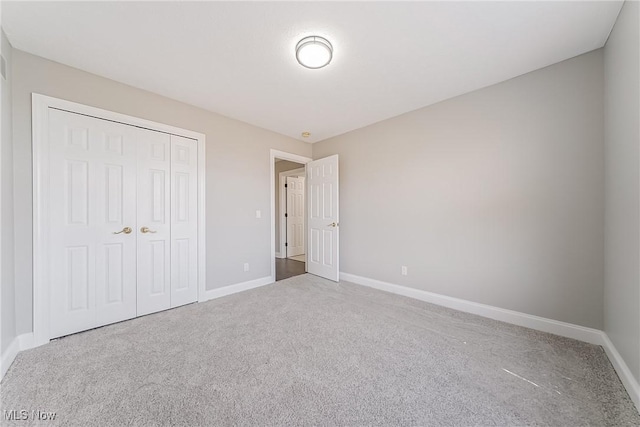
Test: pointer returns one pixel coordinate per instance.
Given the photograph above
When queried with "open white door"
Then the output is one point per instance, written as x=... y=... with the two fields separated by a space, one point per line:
x=323 y=218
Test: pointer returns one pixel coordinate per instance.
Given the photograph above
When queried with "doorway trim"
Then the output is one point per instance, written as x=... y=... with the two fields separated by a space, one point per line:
x=282 y=176
x=277 y=154
x=40 y=132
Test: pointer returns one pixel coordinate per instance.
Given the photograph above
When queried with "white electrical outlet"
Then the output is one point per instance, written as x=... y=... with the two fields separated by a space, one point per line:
x=404 y=270
x=246 y=266
x=258 y=214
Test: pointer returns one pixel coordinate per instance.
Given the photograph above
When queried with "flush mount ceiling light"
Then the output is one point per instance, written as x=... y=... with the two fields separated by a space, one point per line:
x=314 y=52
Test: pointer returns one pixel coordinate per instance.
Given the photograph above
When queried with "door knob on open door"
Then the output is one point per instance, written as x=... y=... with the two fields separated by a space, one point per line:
x=146 y=230
x=126 y=230
x=333 y=224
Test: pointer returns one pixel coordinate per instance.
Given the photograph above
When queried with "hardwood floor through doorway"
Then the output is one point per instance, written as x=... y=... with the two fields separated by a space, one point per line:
x=286 y=268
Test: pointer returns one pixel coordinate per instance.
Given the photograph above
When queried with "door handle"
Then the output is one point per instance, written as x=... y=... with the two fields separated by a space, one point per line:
x=147 y=230
x=333 y=224
x=126 y=230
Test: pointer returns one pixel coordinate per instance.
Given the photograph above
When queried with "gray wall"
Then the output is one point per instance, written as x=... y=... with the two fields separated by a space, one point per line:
x=237 y=169
x=7 y=288
x=622 y=178
x=281 y=166
x=495 y=196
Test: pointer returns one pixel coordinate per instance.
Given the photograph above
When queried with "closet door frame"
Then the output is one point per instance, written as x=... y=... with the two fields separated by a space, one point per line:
x=41 y=105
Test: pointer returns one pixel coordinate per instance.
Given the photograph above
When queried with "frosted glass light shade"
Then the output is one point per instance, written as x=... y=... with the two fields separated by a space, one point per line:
x=314 y=52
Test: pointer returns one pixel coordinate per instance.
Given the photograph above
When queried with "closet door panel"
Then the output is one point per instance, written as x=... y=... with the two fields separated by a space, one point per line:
x=154 y=222
x=91 y=196
x=184 y=221
x=115 y=178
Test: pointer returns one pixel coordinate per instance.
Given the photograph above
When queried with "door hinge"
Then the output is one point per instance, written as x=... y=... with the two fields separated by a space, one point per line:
x=286 y=215
x=285 y=186
x=286 y=244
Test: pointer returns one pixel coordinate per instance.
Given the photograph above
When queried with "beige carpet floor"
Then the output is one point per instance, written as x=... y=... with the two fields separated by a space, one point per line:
x=306 y=351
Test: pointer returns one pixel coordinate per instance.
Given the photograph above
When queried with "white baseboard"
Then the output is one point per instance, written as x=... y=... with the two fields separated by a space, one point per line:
x=26 y=341
x=279 y=255
x=19 y=343
x=627 y=378
x=8 y=356
x=593 y=336
x=238 y=287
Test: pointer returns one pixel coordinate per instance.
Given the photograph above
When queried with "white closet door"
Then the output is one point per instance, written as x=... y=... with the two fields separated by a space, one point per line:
x=154 y=222
x=295 y=216
x=184 y=220
x=91 y=196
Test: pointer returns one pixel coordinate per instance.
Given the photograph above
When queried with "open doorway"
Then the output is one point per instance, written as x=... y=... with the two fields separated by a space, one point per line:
x=290 y=219
x=289 y=215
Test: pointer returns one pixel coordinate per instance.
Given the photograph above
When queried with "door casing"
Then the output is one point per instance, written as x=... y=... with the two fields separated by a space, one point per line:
x=41 y=104
x=277 y=154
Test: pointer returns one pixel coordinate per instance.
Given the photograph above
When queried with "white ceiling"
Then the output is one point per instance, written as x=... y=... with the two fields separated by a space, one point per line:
x=237 y=58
